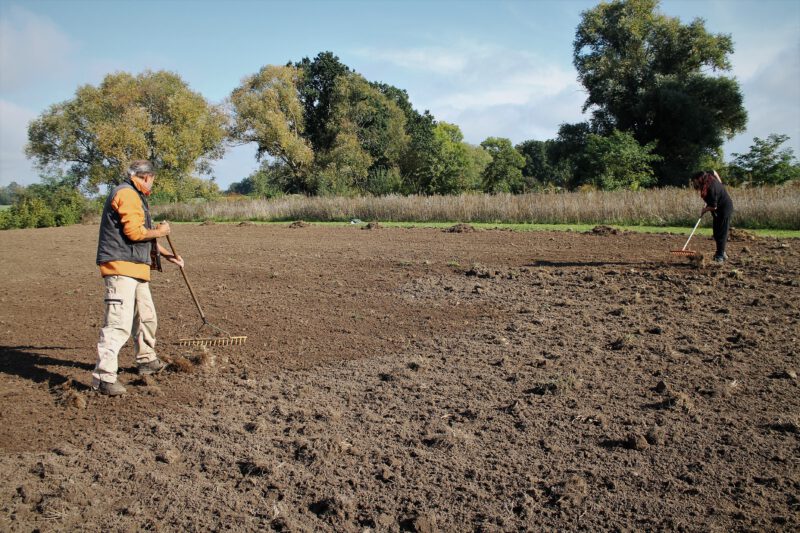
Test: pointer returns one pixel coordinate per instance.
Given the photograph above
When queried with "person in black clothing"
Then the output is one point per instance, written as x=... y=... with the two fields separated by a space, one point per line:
x=719 y=203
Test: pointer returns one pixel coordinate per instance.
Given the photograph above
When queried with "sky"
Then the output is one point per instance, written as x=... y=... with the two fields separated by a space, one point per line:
x=499 y=68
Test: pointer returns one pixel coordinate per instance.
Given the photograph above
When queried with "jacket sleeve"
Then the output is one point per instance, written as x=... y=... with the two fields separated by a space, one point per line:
x=129 y=207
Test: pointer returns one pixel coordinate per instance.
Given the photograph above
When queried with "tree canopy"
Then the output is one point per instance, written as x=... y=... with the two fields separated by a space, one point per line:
x=267 y=111
x=153 y=115
x=504 y=171
x=647 y=74
x=766 y=163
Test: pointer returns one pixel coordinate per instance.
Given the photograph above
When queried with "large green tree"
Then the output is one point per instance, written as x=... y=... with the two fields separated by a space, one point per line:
x=647 y=74
x=504 y=171
x=377 y=122
x=317 y=86
x=618 y=161
x=565 y=154
x=152 y=115
x=448 y=171
x=267 y=111
x=538 y=169
x=421 y=152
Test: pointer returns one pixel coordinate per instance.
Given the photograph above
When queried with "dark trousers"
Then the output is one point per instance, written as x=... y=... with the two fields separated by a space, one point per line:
x=722 y=224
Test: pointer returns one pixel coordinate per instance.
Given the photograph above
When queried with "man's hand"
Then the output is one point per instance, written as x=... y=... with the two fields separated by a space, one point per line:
x=163 y=229
x=178 y=260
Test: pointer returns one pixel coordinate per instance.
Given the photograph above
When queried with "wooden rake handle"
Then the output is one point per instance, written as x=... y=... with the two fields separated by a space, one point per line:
x=189 y=285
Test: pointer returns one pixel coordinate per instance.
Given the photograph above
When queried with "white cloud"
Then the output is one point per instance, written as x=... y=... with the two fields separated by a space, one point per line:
x=535 y=119
x=32 y=50
x=433 y=59
x=772 y=100
x=488 y=90
x=14 y=166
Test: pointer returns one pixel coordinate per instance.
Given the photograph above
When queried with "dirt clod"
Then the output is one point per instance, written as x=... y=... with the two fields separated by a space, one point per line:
x=299 y=224
x=460 y=228
x=739 y=235
x=570 y=492
x=656 y=436
x=605 y=230
x=636 y=441
x=182 y=364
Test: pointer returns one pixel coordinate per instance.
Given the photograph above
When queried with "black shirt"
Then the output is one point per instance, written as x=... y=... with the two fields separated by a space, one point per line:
x=718 y=197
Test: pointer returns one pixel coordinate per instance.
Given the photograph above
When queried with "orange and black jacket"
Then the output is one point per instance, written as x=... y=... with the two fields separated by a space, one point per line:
x=121 y=248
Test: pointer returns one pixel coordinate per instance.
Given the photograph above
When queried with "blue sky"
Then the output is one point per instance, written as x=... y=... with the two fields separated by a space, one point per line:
x=495 y=68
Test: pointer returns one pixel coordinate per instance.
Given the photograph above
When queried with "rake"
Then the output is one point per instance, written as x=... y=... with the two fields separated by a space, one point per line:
x=226 y=339
x=683 y=251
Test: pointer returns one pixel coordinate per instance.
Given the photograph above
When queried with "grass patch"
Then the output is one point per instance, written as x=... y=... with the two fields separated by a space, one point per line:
x=677 y=230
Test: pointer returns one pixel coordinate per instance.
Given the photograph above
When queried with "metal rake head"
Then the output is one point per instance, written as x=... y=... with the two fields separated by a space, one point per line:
x=685 y=253
x=214 y=341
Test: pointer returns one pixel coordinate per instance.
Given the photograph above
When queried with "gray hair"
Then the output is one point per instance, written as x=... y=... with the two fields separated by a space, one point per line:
x=139 y=167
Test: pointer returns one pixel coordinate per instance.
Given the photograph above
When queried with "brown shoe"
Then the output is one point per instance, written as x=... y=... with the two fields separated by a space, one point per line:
x=153 y=367
x=110 y=389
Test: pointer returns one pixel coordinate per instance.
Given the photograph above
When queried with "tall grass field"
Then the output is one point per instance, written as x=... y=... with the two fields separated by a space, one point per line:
x=755 y=208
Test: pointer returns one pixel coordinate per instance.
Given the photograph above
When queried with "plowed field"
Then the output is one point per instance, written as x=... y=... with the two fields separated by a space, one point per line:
x=408 y=380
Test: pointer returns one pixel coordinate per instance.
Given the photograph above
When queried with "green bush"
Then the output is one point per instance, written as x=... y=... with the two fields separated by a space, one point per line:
x=53 y=203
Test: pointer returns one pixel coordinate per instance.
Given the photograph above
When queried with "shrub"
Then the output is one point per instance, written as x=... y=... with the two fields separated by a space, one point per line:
x=53 y=203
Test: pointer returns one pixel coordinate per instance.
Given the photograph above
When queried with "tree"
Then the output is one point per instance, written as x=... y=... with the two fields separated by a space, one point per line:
x=765 y=163
x=479 y=159
x=379 y=124
x=153 y=115
x=270 y=180
x=8 y=193
x=566 y=153
x=345 y=167
x=369 y=137
x=316 y=87
x=451 y=161
x=420 y=153
x=537 y=170
x=267 y=111
x=504 y=172
x=618 y=161
x=644 y=74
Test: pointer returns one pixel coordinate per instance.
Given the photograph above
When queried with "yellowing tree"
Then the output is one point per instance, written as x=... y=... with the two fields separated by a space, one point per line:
x=267 y=111
x=153 y=115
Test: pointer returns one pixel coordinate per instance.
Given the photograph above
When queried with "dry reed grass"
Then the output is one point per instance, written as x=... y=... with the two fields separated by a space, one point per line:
x=772 y=207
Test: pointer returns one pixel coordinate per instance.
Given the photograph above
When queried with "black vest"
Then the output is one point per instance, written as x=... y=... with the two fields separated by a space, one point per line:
x=113 y=245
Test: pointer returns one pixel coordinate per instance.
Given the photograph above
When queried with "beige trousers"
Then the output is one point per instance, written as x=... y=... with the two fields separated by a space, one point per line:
x=129 y=309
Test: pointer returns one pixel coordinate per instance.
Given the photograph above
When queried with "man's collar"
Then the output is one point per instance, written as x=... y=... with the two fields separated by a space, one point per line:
x=140 y=185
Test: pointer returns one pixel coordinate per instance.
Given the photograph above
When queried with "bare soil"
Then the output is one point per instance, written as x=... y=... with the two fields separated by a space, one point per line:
x=408 y=380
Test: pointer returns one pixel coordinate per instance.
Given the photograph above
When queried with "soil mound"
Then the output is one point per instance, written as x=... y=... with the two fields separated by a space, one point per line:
x=207 y=223
x=373 y=225
x=739 y=235
x=299 y=224
x=246 y=223
x=605 y=230
x=461 y=228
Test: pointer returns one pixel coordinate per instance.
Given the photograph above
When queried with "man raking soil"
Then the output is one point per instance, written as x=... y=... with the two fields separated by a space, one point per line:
x=127 y=250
